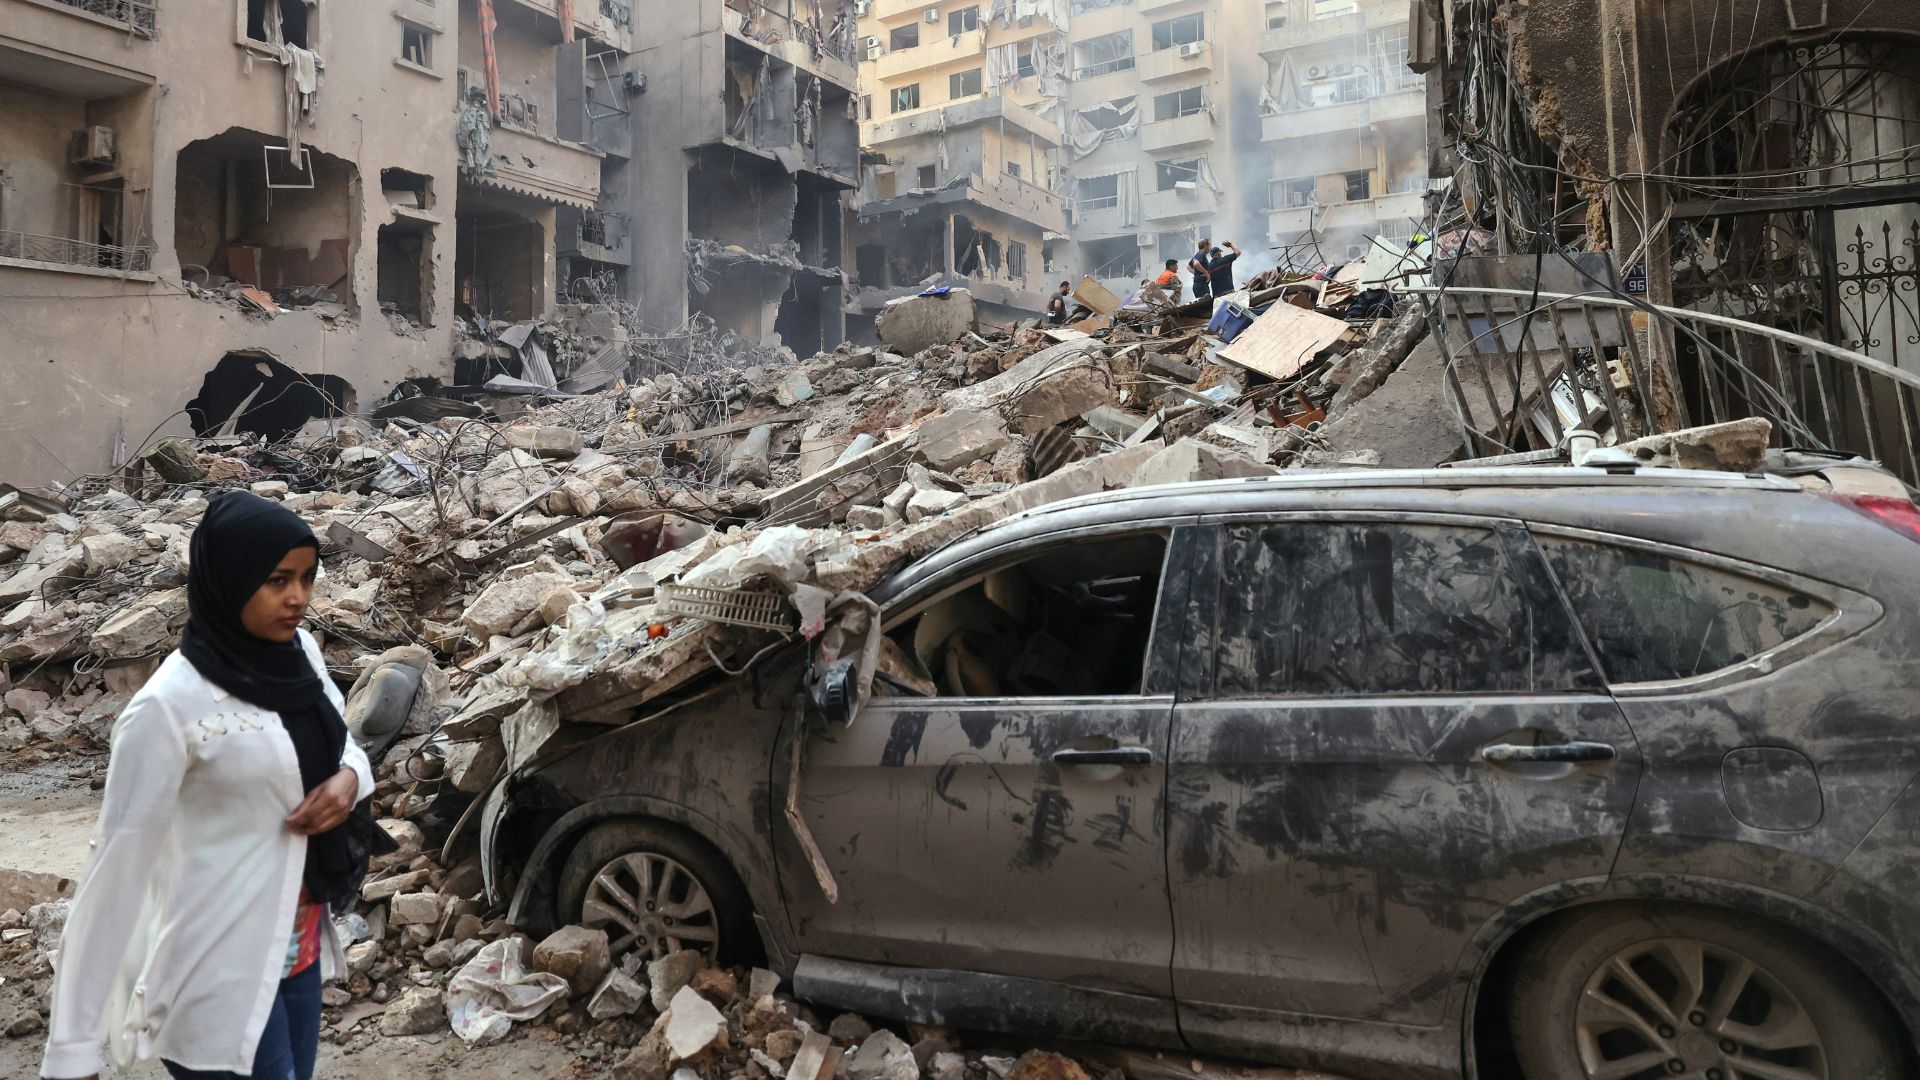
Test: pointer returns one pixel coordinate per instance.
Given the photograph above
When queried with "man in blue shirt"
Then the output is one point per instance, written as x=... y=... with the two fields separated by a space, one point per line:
x=1220 y=269
x=1202 y=276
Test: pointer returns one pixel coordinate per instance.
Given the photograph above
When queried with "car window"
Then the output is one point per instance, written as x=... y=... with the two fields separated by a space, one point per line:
x=1651 y=617
x=1325 y=608
x=1065 y=620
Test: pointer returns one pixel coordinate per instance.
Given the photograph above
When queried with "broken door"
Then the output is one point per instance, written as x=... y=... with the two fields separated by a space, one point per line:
x=995 y=807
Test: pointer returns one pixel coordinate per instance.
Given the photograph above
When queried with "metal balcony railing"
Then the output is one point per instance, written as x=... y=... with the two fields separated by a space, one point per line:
x=34 y=247
x=1817 y=395
x=135 y=15
x=603 y=229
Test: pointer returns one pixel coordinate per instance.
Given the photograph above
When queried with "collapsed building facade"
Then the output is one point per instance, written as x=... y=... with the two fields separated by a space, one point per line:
x=748 y=131
x=1748 y=172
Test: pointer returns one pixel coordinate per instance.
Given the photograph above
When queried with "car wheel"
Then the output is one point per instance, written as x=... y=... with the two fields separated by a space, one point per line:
x=656 y=890
x=1634 y=993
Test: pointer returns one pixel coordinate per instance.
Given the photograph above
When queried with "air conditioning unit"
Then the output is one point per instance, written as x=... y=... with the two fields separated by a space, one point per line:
x=92 y=146
x=1192 y=49
x=875 y=52
x=1316 y=72
x=875 y=42
x=932 y=15
x=1146 y=239
x=860 y=7
x=1186 y=188
x=1339 y=70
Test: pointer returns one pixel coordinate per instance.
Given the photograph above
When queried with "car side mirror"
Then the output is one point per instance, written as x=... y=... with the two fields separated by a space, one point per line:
x=833 y=692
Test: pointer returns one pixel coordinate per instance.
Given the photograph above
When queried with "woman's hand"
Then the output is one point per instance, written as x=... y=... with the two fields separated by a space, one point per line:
x=325 y=806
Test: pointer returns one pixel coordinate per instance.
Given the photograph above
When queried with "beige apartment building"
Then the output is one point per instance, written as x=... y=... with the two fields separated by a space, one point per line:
x=263 y=212
x=961 y=106
x=1345 y=122
x=1163 y=133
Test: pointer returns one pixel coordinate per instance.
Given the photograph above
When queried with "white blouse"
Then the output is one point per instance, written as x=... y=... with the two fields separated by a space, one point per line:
x=178 y=933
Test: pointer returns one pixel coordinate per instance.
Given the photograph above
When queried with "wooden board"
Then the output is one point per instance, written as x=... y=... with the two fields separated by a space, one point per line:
x=1284 y=340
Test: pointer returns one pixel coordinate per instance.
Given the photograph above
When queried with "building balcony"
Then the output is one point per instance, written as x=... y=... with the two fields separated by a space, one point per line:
x=1155 y=7
x=794 y=41
x=1383 y=109
x=564 y=173
x=931 y=53
x=599 y=235
x=1387 y=214
x=1174 y=63
x=589 y=18
x=1303 y=29
x=35 y=250
x=991 y=109
x=1192 y=130
x=85 y=49
x=1178 y=203
x=886 y=10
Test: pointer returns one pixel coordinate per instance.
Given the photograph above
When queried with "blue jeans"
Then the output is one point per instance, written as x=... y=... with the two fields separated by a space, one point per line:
x=291 y=1040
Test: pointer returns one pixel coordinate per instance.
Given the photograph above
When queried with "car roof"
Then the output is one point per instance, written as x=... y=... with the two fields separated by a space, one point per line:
x=1299 y=480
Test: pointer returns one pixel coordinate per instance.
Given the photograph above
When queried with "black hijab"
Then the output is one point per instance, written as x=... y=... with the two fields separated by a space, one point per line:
x=239 y=542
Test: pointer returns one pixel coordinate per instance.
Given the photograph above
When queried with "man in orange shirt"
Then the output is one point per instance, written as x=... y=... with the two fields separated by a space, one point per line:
x=1169 y=280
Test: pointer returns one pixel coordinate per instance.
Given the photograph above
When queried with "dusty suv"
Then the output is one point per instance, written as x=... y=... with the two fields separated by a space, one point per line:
x=1551 y=772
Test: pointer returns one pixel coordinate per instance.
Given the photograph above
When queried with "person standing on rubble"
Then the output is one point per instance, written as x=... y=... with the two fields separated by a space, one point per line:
x=229 y=833
x=1057 y=307
x=1220 y=268
x=1202 y=275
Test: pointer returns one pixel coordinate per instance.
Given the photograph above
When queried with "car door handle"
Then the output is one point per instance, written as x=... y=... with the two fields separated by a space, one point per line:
x=1578 y=753
x=1119 y=755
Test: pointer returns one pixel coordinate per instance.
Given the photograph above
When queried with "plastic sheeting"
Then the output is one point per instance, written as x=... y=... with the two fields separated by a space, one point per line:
x=494 y=991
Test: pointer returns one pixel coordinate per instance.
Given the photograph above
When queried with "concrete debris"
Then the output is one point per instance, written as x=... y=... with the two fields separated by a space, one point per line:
x=1735 y=446
x=669 y=974
x=694 y=1024
x=913 y=324
x=418 y=1011
x=616 y=996
x=576 y=954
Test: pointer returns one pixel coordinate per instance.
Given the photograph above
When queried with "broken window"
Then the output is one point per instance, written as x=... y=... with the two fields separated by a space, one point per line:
x=1103 y=55
x=1113 y=257
x=1651 y=617
x=903 y=37
x=1016 y=259
x=1313 y=608
x=280 y=22
x=405 y=270
x=929 y=176
x=406 y=188
x=1169 y=175
x=1112 y=115
x=906 y=98
x=1288 y=194
x=963 y=21
x=1072 y=620
x=1181 y=31
x=1359 y=186
x=964 y=83
x=245 y=211
x=1023 y=62
x=251 y=393
x=1180 y=103
x=499 y=256
x=1099 y=193
x=416 y=45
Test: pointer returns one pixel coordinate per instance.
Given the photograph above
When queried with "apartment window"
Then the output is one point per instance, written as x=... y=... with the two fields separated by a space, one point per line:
x=1103 y=55
x=866 y=106
x=1359 y=186
x=1024 y=68
x=962 y=21
x=1387 y=51
x=1181 y=31
x=1180 y=103
x=904 y=37
x=1168 y=174
x=1289 y=194
x=1099 y=193
x=1357 y=87
x=1013 y=169
x=416 y=45
x=1113 y=115
x=964 y=83
x=906 y=98
x=1328 y=9
x=1016 y=259
x=280 y=22
x=929 y=176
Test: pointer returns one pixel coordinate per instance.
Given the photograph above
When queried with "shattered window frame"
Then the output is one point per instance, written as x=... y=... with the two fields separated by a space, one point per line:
x=1103 y=55
x=1170 y=173
x=905 y=98
x=1178 y=104
x=1180 y=30
x=963 y=21
x=1610 y=583
x=959 y=81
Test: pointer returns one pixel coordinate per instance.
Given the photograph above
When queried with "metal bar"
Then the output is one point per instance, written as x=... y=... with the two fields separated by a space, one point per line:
x=1463 y=411
x=1846 y=198
x=1546 y=386
x=1486 y=383
x=1866 y=414
x=1640 y=375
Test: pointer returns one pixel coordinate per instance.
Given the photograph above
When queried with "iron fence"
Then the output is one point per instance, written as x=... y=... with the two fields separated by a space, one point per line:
x=1503 y=345
x=35 y=247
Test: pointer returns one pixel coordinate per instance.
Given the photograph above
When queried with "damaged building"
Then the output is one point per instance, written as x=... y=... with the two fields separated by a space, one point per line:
x=953 y=205
x=1744 y=165
x=145 y=234
x=750 y=138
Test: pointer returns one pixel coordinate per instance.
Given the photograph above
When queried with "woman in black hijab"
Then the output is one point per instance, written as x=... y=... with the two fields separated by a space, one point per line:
x=229 y=833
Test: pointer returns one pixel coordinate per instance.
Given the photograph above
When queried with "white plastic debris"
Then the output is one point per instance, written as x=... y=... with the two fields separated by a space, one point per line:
x=494 y=990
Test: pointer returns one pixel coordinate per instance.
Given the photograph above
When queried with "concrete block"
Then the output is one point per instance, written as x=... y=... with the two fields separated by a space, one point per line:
x=1188 y=460
x=914 y=323
x=951 y=440
x=545 y=441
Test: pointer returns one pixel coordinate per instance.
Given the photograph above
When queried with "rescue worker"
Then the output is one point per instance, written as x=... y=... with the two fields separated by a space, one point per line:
x=1057 y=307
x=1169 y=280
x=1202 y=276
x=1220 y=269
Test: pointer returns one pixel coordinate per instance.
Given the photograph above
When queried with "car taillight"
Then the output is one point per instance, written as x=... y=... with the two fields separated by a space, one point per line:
x=1896 y=513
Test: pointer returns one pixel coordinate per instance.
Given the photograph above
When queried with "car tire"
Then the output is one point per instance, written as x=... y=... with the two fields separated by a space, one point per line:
x=1649 y=983
x=697 y=900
